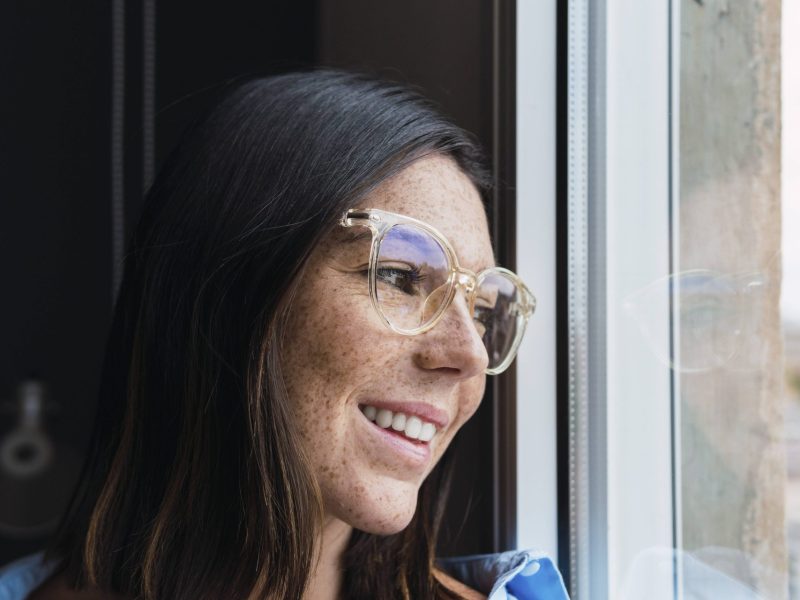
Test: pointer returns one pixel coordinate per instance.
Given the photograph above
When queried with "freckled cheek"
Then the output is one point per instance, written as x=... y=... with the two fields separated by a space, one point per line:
x=341 y=344
x=331 y=346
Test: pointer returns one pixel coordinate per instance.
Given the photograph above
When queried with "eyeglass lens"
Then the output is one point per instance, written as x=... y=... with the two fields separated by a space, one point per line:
x=413 y=284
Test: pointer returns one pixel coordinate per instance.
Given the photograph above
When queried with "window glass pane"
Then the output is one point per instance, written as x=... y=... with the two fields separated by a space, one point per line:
x=734 y=422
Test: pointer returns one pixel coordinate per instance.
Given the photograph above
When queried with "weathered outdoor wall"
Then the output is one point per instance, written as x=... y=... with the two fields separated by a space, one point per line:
x=731 y=428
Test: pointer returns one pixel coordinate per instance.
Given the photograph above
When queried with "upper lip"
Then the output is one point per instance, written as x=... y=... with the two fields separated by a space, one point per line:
x=426 y=412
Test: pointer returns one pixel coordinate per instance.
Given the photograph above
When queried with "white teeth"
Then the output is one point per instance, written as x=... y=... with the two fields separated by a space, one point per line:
x=412 y=427
x=384 y=418
x=399 y=422
x=427 y=431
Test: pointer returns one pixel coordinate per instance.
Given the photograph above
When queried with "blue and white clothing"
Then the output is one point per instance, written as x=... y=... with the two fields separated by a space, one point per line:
x=513 y=575
x=521 y=575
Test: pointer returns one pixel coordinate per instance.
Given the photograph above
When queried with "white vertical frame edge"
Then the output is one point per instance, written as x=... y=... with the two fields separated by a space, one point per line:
x=675 y=174
x=638 y=176
x=537 y=509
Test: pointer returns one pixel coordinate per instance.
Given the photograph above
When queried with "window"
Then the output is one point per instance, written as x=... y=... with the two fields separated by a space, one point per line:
x=678 y=425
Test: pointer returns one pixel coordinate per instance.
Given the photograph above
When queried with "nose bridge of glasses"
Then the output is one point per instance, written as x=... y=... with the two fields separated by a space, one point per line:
x=446 y=295
x=466 y=280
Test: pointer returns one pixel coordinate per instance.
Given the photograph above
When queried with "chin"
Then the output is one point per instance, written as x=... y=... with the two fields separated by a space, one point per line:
x=384 y=513
x=385 y=525
x=391 y=525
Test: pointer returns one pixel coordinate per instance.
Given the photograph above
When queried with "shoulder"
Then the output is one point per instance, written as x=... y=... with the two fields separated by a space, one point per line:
x=524 y=575
x=19 y=578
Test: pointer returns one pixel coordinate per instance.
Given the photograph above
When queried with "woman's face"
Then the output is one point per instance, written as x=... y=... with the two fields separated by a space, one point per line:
x=339 y=358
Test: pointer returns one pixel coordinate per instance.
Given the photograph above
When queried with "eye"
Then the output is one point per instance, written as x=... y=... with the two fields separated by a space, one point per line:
x=482 y=315
x=405 y=279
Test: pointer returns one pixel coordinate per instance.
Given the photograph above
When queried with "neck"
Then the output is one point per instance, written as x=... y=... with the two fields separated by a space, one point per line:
x=326 y=580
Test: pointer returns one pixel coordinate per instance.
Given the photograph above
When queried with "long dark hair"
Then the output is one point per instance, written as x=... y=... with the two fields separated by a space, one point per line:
x=194 y=486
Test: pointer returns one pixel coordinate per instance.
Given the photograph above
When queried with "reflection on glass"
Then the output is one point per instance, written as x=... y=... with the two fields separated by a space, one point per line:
x=727 y=347
x=714 y=311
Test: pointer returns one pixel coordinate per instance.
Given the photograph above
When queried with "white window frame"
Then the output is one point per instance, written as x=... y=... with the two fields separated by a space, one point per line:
x=641 y=119
x=537 y=508
x=622 y=139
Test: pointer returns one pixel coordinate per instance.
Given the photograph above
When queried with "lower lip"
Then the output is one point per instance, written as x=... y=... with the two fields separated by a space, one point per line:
x=415 y=453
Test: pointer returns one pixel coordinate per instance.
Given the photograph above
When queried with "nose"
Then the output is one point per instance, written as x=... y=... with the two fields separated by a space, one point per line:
x=453 y=346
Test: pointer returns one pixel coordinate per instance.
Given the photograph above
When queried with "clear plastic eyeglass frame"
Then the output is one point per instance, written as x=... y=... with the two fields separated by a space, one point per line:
x=380 y=222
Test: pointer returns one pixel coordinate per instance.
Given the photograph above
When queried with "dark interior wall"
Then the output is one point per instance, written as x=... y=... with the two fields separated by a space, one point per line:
x=443 y=46
x=55 y=265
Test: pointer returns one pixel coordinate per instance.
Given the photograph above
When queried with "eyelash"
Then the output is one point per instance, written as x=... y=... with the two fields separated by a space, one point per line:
x=412 y=276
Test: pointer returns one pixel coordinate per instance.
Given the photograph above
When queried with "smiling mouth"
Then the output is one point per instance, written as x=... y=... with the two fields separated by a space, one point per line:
x=409 y=427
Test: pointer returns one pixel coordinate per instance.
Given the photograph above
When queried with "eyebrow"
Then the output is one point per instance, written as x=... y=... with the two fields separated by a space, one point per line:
x=350 y=236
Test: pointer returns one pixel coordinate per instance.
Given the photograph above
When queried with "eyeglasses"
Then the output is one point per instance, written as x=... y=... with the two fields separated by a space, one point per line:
x=413 y=276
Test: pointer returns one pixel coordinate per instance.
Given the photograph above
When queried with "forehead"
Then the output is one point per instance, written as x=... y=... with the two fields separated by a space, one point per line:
x=435 y=190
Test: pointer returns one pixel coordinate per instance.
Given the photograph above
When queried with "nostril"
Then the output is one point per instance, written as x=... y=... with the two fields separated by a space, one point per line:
x=448 y=370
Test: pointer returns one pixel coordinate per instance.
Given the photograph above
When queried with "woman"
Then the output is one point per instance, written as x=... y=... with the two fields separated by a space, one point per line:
x=290 y=357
